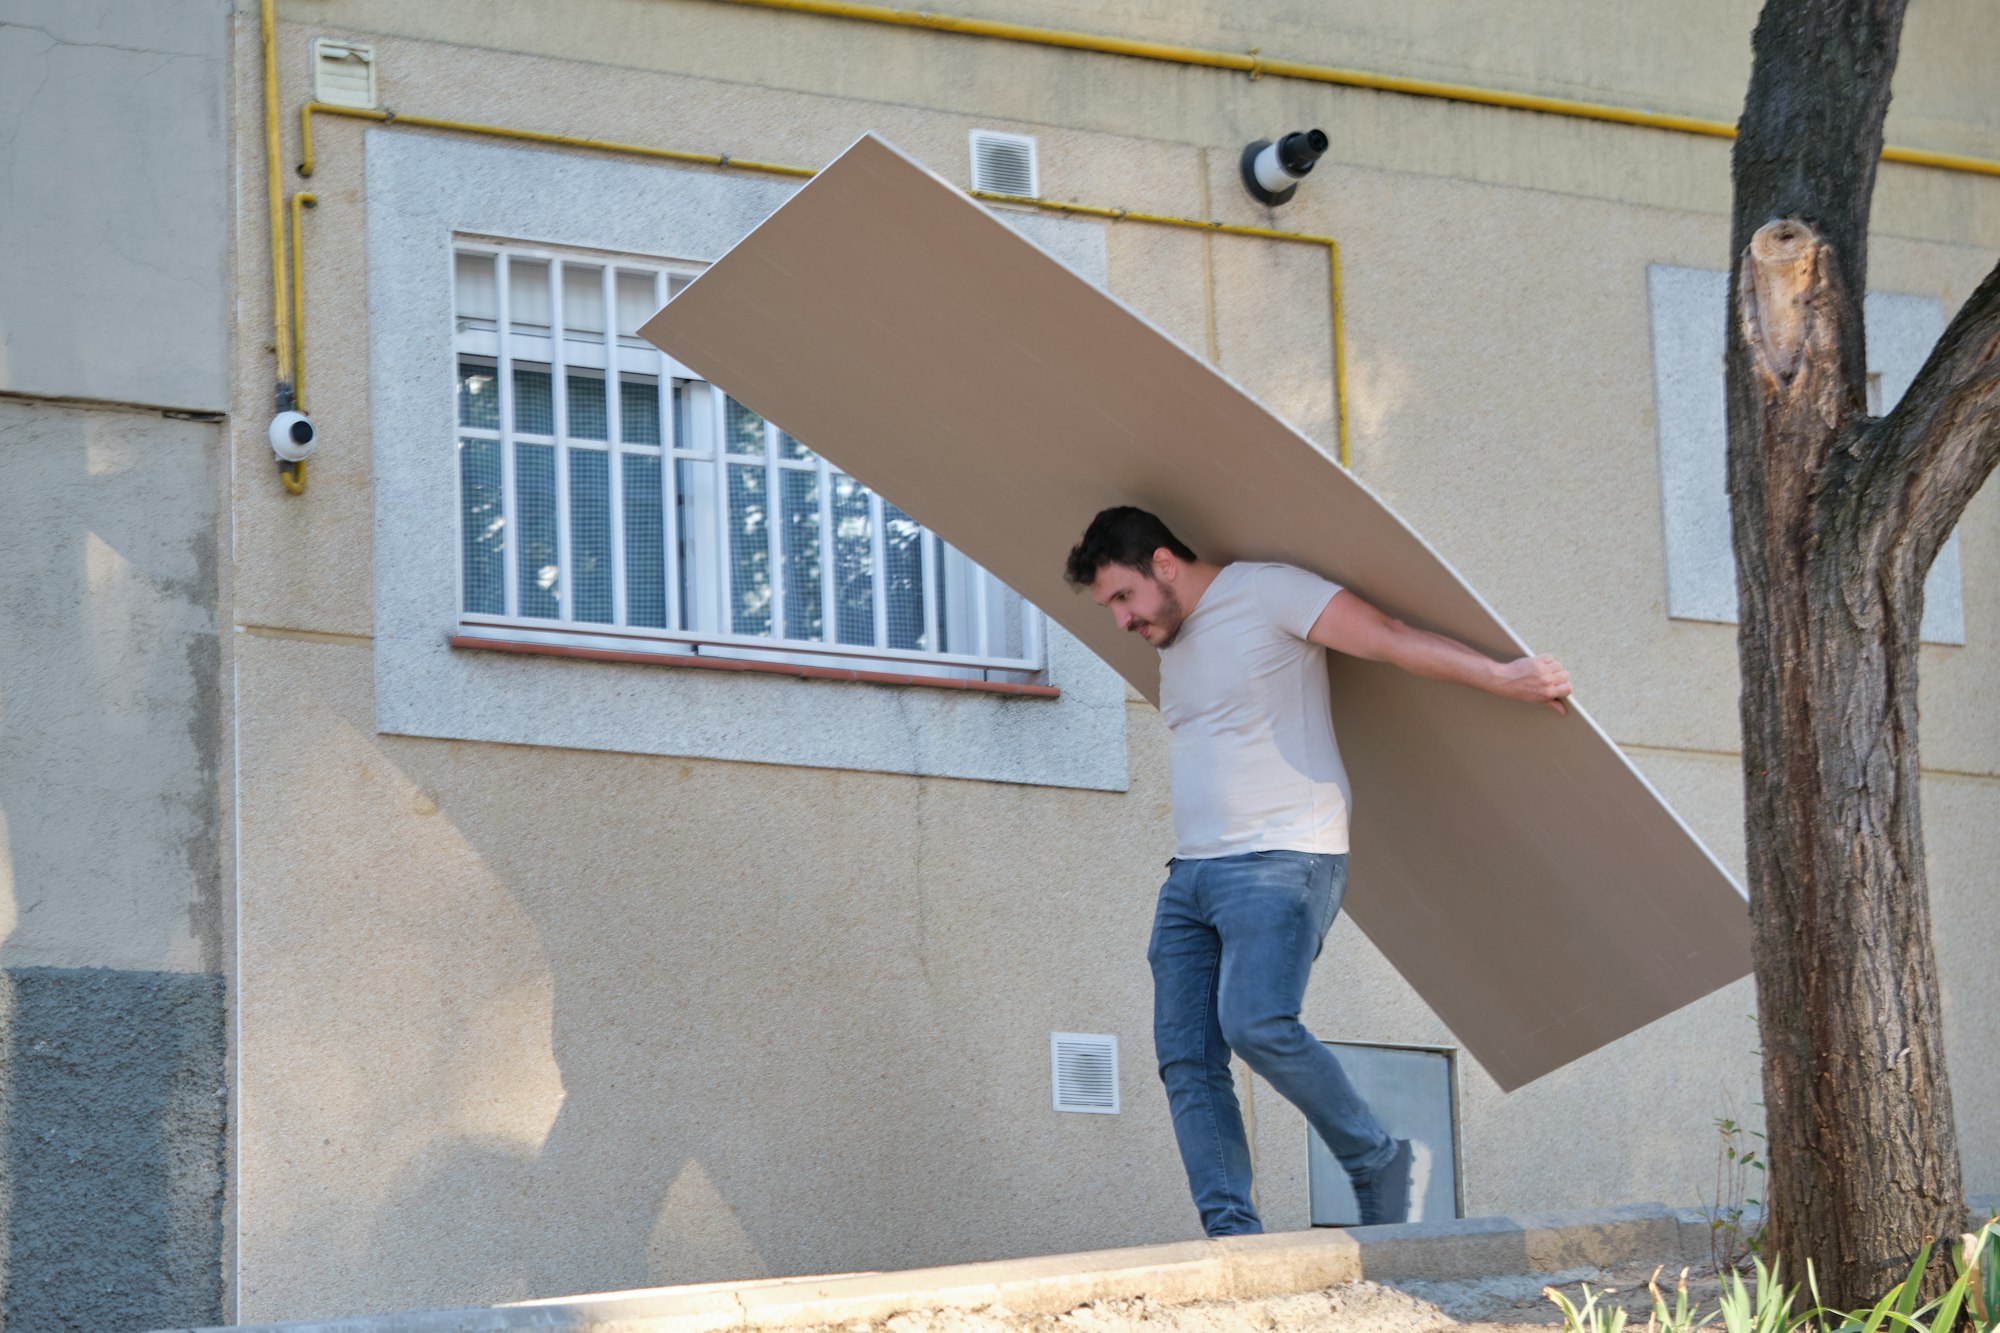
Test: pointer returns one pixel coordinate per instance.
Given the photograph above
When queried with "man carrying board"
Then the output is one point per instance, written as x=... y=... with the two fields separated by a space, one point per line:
x=1260 y=801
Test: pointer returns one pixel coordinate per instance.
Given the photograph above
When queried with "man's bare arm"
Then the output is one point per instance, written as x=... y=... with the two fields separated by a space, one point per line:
x=1350 y=625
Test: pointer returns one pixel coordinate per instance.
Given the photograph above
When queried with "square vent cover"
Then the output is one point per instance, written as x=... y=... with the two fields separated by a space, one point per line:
x=1004 y=164
x=1084 y=1068
x=343 y=73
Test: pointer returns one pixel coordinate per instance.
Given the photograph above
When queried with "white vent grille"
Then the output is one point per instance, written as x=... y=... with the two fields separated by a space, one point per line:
x=1004 y=164
x=343 y=72
x=1084 y=1067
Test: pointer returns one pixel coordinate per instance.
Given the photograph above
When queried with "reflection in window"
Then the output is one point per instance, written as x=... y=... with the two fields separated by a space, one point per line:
x=700 y=523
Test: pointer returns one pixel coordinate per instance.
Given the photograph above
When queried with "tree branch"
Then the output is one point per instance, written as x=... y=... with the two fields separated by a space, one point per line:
x=1943 y=440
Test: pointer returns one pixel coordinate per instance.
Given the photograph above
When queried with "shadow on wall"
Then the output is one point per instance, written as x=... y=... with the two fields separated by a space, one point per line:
x=526 y=1022
x=717 y=1019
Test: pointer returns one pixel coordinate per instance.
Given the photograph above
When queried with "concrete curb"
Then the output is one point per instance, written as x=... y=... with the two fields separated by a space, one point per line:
x=1239 y=1268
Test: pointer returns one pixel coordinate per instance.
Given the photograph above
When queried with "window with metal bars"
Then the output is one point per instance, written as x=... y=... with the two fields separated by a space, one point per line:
x=609 y=497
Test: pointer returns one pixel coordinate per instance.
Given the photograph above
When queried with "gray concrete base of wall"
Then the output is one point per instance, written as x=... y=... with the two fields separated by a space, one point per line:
x=111 y=1086
x=1239 y=1268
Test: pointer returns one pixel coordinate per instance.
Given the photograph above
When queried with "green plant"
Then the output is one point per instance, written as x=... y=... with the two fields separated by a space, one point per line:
x=1766 y=1305
x=1766 y=1308
x=1979 y=1269
x=1680 y=1318
x=1590 y=1317
x=1735 y=1220
x=1975 y=1292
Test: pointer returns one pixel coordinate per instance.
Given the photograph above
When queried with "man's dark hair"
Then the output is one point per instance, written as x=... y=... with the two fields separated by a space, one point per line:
x=1122 y=536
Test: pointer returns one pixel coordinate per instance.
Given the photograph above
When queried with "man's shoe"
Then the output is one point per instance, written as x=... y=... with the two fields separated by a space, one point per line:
x=1384 y=1193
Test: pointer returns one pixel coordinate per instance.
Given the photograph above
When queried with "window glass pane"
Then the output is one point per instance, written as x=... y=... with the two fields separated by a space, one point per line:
x=528 y=295
x=590 y=535
x=804 y=612
x=952 y=603
x=903 y=577
x=791 y=448
x=853 y=563
x=474 y=289
x=636 y=304
x=749 y=551
x=534 y=405
x=742 y=430
x=639 y=409
x=484 y=535
x=586 y=406
x=583 y=298
x=694 y=520
x=685 y=435
x=645 y=544
x=478 y=395
x=535 y=502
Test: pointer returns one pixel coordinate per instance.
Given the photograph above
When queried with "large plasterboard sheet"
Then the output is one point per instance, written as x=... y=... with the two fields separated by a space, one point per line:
x=1523 y=877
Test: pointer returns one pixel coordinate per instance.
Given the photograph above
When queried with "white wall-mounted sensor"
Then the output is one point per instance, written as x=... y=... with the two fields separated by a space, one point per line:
x=292 y=437
x=1272 y=171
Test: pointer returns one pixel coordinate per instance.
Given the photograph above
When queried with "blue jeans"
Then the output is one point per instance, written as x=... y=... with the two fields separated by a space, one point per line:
x=1234 y=940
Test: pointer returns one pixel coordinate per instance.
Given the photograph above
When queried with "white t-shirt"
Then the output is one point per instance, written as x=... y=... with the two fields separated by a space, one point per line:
x=1255 y=764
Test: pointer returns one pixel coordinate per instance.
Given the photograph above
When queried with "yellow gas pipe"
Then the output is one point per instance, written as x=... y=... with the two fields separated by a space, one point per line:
x=295 y=480
x=307 y=163
x=281 y=321
x=1252 y=64
x=1256 y=66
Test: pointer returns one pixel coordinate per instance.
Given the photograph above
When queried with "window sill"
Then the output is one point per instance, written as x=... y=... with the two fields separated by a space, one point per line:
x=1019 y=689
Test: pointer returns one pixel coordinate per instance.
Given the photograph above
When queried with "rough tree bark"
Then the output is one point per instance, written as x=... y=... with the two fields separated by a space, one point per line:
x=1837 y=517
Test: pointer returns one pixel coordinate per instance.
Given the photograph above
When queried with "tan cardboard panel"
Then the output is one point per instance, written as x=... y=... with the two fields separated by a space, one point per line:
x=1526 y=880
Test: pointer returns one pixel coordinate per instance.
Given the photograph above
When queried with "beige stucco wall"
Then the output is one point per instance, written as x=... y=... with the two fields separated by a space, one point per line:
x=517 y=1021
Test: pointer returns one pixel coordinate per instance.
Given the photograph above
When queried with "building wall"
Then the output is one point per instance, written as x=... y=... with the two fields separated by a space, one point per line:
x=114 y=267
x=111 y=993
x=112 y=253
x=521 y=1019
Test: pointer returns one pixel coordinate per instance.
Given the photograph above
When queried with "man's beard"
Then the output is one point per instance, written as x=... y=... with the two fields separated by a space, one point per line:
x=1171 y=616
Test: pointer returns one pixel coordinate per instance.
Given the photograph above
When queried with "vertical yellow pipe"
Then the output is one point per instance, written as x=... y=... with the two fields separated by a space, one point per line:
x=303 y=199
x=295 y=480
x=1339 y=352
x=280 y=315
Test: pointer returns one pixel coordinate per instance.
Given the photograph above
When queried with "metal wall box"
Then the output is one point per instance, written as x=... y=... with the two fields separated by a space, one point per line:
x=1412 y=1090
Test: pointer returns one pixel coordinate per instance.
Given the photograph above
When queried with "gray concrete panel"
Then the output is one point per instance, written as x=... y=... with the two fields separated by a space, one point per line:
x=422 y=192
x=111 y=1083
x=114 y=204
x=109 y=690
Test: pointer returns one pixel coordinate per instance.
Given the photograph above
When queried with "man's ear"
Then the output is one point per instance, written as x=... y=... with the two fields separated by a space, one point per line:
x=1166 y=566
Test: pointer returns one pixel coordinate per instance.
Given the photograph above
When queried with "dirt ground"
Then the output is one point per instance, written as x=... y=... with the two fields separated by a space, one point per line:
x=1512 y=1303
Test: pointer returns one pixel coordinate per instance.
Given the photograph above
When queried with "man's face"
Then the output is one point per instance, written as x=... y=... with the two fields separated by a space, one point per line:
x=1140 y=602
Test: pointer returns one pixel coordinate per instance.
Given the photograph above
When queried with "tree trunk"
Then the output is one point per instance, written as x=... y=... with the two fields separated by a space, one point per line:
x=1837 y=518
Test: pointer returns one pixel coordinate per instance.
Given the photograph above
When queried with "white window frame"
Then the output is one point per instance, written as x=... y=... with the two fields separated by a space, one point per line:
x=952 y=586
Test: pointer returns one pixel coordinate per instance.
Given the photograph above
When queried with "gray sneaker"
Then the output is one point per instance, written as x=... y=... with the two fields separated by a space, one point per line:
x=1384 y=1193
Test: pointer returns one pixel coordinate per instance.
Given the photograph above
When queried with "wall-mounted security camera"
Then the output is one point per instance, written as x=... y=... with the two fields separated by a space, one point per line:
x=1272 y=171
x=292 y=437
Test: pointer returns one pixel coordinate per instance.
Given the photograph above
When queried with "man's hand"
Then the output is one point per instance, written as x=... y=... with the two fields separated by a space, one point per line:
x=1350 y=625
x=1534 y=680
